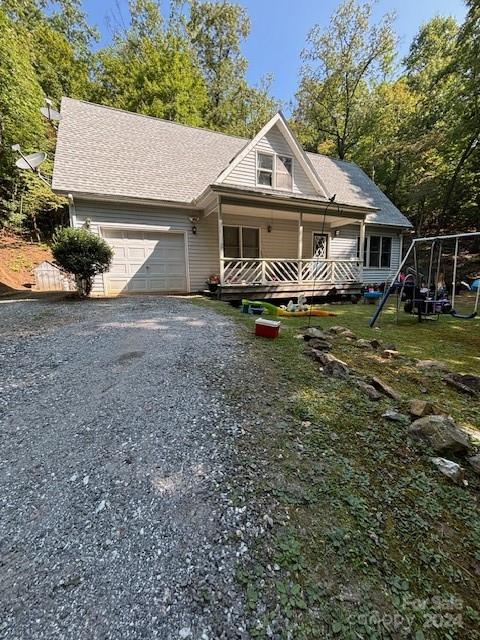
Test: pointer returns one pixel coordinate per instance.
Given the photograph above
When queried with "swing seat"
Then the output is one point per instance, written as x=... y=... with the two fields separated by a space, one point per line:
x=460 y=316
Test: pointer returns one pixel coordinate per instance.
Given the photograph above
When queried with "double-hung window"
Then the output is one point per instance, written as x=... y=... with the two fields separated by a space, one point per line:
x=265 y=169
x=275 y=171
x=377 y=251
x=241 y=242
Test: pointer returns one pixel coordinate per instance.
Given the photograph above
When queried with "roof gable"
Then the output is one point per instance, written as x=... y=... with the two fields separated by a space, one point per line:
x=110 y=153
x=275 y=136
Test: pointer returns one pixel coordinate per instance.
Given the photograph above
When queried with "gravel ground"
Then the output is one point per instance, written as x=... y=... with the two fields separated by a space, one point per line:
x=118 y=441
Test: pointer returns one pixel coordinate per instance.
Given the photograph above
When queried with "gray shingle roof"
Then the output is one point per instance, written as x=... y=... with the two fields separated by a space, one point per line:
x=353 y=186
x=115 y=153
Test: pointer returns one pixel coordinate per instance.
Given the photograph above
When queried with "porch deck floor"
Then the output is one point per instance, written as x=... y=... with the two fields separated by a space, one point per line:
x=261 y=291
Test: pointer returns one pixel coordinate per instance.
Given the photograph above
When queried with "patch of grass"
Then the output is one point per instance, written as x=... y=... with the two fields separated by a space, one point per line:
x=370 y=541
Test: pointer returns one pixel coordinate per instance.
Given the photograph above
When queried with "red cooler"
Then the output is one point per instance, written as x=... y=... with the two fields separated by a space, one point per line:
x=267 y=328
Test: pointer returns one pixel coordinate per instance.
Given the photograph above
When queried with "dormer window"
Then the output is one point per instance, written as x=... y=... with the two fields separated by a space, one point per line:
x=275 y=171
x=265 y=169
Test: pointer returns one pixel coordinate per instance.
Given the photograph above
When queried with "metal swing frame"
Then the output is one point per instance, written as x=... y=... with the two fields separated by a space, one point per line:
x=413 y=248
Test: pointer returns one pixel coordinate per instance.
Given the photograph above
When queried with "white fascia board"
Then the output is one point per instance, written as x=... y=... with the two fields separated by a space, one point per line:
x=298 y=152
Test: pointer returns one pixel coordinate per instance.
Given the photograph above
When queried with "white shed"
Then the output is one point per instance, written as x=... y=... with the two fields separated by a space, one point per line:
x=49 y=277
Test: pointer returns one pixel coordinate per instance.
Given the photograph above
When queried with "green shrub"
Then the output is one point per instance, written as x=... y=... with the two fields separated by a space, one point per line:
x=83 y=254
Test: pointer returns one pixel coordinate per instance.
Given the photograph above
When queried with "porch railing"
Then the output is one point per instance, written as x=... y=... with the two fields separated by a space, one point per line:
x=271 y=271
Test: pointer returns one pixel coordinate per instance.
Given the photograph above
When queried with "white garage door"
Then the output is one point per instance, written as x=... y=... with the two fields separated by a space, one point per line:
x=146 y=261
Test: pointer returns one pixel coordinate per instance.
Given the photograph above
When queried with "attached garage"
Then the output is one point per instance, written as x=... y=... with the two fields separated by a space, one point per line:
x=146 y=261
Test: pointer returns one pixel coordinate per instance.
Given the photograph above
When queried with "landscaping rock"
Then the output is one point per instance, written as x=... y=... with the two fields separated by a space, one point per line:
x=434 y=365
x=395 y=416
x=390 y=347
x=313 y=332
x=475 y=462
x=364 y=344
x=337 y=329
x=348 y=334
x=441 y=433
x=389 y=354
x=332 y=366
x=369 y=390
x=336 y=369
x=316 y=354
x=450 y=469
x=421 y=408
x=320 y=344
x=465 y=383
x=385 y=388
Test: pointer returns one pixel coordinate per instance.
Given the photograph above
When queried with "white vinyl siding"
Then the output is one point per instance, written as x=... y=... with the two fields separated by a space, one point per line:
x=202 y=247
x=345 y=246
x=245 y=173
x=281 y=242
x=241 y=241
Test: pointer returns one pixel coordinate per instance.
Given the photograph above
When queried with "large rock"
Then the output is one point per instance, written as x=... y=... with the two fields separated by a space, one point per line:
x=389 y=354
x=361 y=343
x=385 y=388
x=320 y=344
x=314 y=332
x=475 y=462
x=434 y=365
x=337 y=329
x=332 y=366
x=465 y=383
x=450 y=469
x=368 y=390
x=441 y=433
x=421 y=408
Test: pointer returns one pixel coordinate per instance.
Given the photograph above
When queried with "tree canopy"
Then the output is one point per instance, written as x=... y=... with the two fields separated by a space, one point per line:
x=413 y=127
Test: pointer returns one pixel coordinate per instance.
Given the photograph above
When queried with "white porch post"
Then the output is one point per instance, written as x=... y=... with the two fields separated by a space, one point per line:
x=220 y=239
x=300 y=245
x=361 y=249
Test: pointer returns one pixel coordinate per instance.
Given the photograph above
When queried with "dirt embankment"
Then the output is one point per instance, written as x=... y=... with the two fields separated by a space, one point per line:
x=18 y=258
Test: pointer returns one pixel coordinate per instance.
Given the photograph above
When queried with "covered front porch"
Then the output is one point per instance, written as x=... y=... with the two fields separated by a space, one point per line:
x=269 y=248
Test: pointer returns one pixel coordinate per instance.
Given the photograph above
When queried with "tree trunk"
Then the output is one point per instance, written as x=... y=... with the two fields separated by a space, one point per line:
x=453 y=180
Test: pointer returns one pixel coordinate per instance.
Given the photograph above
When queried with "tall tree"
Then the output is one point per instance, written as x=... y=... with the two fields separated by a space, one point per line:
x=216 y=31
x=341 y=66
x=465 y=136
x=151 y=70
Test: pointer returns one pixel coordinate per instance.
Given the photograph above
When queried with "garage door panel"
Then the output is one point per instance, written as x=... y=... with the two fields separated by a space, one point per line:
x=118 y=269
x=146 y=261
x=119 y=252
x=136 y=252
x=110 y=234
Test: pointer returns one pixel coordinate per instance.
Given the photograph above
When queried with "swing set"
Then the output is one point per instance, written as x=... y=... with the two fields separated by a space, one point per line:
x=426 y=295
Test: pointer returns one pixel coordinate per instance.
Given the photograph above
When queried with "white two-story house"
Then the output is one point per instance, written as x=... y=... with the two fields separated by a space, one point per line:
x=179 y=204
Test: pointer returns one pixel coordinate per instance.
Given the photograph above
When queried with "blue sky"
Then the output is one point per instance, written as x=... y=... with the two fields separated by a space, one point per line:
x=279 y=29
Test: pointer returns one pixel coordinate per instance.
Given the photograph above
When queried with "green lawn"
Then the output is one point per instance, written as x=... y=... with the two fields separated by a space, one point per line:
x=370 y=541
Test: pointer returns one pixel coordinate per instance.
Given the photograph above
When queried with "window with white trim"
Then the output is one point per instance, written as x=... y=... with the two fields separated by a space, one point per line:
x=275 y=171
x=265 y=169
x=241 y=242
x=377 y=251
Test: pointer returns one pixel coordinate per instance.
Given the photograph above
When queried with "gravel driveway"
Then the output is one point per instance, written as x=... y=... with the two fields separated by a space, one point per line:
x=118 y=439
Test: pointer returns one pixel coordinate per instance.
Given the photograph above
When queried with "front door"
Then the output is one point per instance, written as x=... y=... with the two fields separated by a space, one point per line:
x=320 y=245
